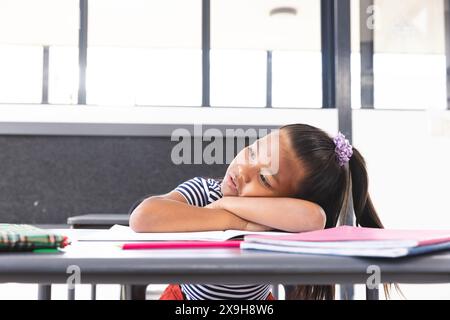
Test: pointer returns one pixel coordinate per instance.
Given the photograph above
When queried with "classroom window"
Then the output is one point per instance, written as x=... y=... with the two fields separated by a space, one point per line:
x=27 y=27
x=409 y=64
x=149 y=53
x=144 y=52
x=239 y=53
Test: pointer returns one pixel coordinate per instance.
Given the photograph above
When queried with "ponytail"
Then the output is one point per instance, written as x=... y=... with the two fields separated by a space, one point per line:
x=365 y=213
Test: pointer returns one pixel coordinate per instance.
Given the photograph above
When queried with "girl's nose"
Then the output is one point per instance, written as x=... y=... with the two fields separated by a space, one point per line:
x=246 y=171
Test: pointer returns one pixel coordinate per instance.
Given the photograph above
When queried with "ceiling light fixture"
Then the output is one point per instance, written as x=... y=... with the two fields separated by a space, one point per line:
x=283 y=11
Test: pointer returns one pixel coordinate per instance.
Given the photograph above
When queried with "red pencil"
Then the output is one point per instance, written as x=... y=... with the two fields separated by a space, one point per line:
x=181 y=245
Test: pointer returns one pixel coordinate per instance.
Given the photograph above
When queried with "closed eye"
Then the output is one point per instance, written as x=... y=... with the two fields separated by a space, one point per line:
x=264 y=181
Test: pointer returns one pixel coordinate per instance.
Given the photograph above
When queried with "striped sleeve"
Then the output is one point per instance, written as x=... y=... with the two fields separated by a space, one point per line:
x=225 y=292
x=200 y=191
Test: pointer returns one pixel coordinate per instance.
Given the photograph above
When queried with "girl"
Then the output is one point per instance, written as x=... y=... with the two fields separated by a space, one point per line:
x=313 y=179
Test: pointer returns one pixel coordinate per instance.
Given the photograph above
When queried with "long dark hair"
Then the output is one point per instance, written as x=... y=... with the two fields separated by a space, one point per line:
x=328 y=184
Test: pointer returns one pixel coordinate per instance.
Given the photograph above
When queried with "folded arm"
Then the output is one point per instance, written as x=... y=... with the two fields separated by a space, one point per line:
x=287 y=214
x=171 y=213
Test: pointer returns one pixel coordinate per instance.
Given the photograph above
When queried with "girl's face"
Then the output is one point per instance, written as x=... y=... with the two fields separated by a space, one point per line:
x=267 y=168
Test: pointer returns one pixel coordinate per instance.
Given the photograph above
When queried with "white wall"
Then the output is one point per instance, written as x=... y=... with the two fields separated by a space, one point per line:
x=408 y=160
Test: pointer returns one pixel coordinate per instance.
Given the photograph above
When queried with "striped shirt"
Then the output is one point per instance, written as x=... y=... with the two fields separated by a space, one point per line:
x=201 y=192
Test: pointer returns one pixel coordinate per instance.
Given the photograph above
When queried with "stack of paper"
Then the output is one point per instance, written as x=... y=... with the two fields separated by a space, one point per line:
x=354 y=241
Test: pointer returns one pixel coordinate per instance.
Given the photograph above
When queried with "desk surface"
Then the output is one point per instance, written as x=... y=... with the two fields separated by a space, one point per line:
x=101 y=262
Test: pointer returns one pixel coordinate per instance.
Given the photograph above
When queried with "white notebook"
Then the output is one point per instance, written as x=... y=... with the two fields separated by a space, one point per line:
x=123 y=233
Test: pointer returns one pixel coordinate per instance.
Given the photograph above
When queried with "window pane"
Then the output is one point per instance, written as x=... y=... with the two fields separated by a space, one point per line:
x=63 y=76
x=110 y=76
x=142 y=52
x=49 y=22
x=21 y=74
x=238 y=78
x=131 y=76
x=297 y=79
x=26 y=26
x=299 y=30
x=239 y=52
x=409 y=65
x=409 y=62
x=163 y=72
x=418 y=81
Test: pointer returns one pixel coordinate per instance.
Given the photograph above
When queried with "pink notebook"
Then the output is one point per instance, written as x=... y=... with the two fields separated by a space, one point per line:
x=349 y=233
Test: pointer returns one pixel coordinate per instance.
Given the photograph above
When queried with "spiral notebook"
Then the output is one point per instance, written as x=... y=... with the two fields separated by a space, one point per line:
x=24 y=237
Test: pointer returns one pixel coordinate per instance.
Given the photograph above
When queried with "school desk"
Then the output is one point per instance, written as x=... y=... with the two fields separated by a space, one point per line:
x=103 y=263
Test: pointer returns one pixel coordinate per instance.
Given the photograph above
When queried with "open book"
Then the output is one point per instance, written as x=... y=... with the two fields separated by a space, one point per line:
x=354 y=241
x=122 y=233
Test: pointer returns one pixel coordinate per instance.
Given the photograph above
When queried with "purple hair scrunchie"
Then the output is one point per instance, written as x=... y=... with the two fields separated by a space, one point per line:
x=343 y=150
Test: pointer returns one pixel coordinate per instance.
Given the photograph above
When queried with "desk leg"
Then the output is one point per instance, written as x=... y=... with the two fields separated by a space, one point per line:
x=133 y=292
x=93 y=292
x=44 y=292
x=71 y=294
x=347 y=292
x=276 y=291
x=372 y=294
